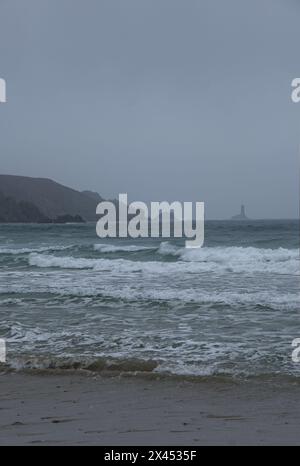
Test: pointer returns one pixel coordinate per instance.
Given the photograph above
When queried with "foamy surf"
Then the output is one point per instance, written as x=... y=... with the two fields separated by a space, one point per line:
x=21 y=251
x=145 y=306
x=233 y=259
x=110 y=248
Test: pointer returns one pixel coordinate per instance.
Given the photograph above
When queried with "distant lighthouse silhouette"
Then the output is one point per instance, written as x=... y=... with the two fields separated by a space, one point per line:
x=242 y=215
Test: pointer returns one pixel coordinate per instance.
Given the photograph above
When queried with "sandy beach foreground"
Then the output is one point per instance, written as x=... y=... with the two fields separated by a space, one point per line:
x=84 y=410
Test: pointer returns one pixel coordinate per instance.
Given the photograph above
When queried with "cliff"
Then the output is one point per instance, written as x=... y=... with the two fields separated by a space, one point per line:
x=12 y=211
x=50 y=199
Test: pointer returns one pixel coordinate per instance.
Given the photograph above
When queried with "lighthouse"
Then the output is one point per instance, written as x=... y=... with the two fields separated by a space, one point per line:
x=242 y=215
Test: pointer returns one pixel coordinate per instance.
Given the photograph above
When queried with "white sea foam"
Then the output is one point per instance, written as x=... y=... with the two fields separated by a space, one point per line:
x=110 y=248
x=238 y=259
x=287 y=301
x=20 y=251
x=85 y=289
x=92 y=288
x=130 y=352
x=168 y=249
x=219 y=259
x=194 y=312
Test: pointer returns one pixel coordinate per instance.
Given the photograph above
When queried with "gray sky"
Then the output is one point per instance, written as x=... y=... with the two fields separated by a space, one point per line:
x=163 y=99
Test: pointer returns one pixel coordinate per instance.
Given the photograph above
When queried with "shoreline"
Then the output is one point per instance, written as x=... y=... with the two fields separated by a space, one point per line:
x=74 y=409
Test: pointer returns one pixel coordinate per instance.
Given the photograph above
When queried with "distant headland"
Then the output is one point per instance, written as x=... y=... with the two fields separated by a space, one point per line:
x=41 y=200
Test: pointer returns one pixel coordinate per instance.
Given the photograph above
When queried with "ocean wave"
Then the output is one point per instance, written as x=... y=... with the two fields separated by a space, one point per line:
x=230 y=298
x=168 y=249
x=21 y=251
x=177 y=350
x=60 y=289
x=110 y=248
x=288 y=301
x=238 y=259
x=218 y=259
x=99 y=364
x=208 y=369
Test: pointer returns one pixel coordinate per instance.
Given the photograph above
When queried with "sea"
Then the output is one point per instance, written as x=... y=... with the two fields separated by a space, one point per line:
x=71 y=301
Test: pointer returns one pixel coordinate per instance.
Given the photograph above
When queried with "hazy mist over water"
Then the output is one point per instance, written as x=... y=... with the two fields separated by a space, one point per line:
x=165 y=100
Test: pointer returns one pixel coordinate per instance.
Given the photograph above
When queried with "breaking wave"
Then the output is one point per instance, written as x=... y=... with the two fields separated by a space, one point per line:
x=100 y=364
x=219 y=259
x=92 y=292
x=110 y=248
x=20 y=251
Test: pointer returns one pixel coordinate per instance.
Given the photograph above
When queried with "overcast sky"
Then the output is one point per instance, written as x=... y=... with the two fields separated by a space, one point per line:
x=162 y=99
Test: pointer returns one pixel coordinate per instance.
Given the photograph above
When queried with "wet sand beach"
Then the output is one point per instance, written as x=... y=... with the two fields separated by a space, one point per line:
x=78 y=409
